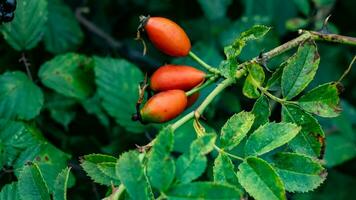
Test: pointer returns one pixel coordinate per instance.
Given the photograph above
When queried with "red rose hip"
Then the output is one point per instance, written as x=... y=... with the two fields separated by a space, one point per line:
x=169 y=77
x=164 y=106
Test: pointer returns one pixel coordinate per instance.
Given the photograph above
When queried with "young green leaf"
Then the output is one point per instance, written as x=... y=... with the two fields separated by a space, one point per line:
x=224 y=171
x=28 y=26
x=50 y=160
x=20 y=98
x=308 y=140
x=132 y=174
x=203 y=190
x=61 y=185
x=255 y=79
x=300 y=70
x=160 y=166
x=235 y=129
x=298 y=172
x=261 y=110
x=254 y=33
x=31 y=183
x=117 y=81
x=69 y=74
x=10 y=192
x=63 y=32
x=322 y=100
x=261 y=180
x=270 y=136
x=190 y=166
x=96 y=166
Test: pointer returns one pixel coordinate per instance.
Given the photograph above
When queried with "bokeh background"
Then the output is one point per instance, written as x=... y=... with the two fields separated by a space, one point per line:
x=210 y=24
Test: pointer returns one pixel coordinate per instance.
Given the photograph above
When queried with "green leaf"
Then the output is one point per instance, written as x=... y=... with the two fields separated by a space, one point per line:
x=203 y=190
x=32 y=185
x=61 y=108
x=190 y=166
x=161 y=166
x=215 y=9
x=224 y=171
x=296 y=23
x=132 y=174
x=298 y=172
x=93 y=106
x=255 y=79
x=254 y=33
x=117 y=81
x=307 y=141
x=228 y=68
x=62 y=32
x=261 y=180
x=109 y=169
x=16 y=137
x=20 y=98
x=10 y=192
x=235 y=129
x=95 y=165
x=322 y=100
x=300 y=70
x=274 y=82
x=270 y=136
x=69 y=74
x=61 y=185
x=50 y=160
x=261 y=110
x=28 y=26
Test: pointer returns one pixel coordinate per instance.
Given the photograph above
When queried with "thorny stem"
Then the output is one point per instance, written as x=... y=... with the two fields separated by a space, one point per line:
x=117 y=193
x=203 y=64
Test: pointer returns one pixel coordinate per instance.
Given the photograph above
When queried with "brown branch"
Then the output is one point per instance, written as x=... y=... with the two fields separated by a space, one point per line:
x=27 y=65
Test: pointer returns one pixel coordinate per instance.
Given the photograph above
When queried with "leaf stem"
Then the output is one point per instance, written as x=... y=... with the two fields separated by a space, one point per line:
x=347 y=70
x=229 y=154
x=182 y=120
x=200 y=87
x=117 y=193
x=203 y=64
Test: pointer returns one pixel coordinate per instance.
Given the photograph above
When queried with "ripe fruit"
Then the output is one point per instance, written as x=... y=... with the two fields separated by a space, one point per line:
x=164 y=106
x=169 y=77
x=192 y=99
x=167 y=36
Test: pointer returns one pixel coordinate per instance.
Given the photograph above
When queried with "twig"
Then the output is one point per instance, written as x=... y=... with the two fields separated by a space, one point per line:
x=348 y=69
x=27 y=65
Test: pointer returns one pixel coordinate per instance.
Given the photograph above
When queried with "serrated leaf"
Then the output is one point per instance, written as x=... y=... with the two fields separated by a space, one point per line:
x=50 y=160
x=261 y=180
x=92 y=166
x=20 y=98
x=261 y=110
x=300 y=70
x=274 y=82
x=161 y=166
x=69 y=74
x=109 y=169
x=308 y=140
x=190 y=166
x=228 y=68
x=16 y=137
x=255 y=79
x=131 y=173
x=322 y=100
x=28 y=26
x=298 y=172
x=224 y=171
x=61 y=185
x=270 y=136
x=117 y=81
x=32 y=185
x=63 y=32
x=254 y=33
x=10 y=192
x=235 y=129
x=203 y=190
